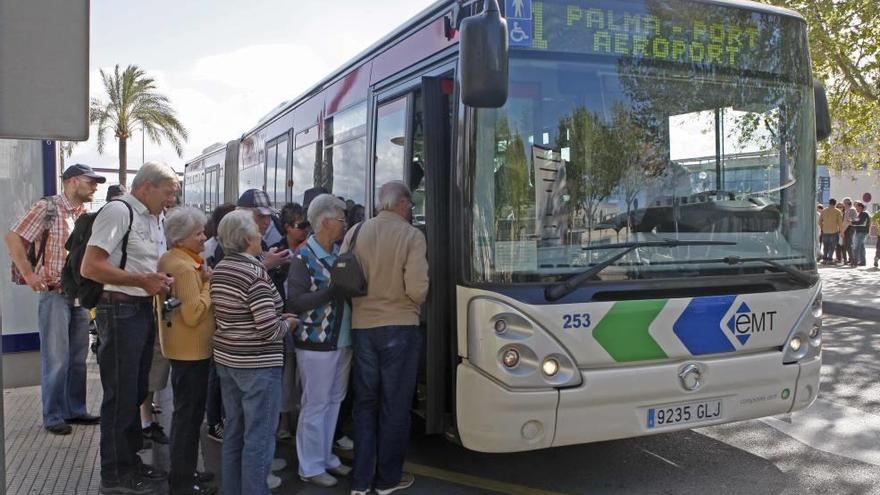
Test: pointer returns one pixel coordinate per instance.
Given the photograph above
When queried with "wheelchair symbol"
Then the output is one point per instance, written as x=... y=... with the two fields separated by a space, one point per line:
x=517 y=35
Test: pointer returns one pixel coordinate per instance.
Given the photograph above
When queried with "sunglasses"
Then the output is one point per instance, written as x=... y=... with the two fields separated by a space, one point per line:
x=301 y=225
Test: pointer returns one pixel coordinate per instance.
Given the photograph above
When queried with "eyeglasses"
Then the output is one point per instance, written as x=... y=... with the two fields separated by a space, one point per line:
x=301 y=225
x=341 y=220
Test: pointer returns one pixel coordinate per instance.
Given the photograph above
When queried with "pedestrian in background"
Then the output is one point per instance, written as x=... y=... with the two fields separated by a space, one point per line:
x=248 y=354
x=860 y=231
x=849 y=219
x=387 y=340
x=830 y=224
x=63 y=323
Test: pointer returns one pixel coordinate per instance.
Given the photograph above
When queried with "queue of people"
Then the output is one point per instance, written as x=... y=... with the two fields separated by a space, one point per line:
x=844 y=227
x=258 y=340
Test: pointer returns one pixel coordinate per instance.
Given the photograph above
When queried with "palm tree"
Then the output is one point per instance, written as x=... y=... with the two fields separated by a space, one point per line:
x=134 y=103
x=66 y=148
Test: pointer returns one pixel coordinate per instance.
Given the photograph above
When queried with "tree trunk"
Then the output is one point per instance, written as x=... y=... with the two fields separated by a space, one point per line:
x=123 y=161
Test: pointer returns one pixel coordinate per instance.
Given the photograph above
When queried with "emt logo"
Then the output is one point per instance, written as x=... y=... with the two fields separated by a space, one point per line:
x=746 y=322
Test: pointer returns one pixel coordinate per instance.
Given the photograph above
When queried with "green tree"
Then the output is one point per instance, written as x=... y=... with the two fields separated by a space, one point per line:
x=133 y=102
x=845 y=48
x=66 y=150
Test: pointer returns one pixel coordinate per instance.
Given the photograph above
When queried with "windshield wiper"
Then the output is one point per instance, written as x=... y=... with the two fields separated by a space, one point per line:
x=561 y=289
x=806 y=279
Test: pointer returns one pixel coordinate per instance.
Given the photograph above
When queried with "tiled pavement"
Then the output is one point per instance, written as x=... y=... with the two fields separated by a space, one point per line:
x=40 y=463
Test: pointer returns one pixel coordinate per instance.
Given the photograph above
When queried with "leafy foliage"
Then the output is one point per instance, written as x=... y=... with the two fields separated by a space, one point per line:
x=134 y=103
x=845 y=48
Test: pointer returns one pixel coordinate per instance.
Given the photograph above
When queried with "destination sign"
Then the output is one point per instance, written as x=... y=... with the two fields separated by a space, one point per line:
x=666 y=30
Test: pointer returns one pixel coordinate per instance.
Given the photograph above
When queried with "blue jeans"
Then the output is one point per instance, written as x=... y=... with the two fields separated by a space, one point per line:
x=64 y=346
x=252 y=400
x=829 y=244
x=386 y=361
x=126 y=331
x=859 y=248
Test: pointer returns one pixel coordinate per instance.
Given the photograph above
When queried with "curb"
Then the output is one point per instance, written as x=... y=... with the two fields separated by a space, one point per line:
x=851 y=311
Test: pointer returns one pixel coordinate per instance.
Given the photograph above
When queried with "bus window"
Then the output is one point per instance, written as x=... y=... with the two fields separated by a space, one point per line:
x=390 y=142
x=344 y=166
x=305 y=161
x=281 y=174
x=270 y=171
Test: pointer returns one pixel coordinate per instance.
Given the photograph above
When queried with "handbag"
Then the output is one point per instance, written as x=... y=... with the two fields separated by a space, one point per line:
x=346 y=275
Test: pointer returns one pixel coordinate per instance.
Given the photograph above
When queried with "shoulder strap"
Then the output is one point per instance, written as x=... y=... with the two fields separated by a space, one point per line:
x=354 y=237
x=320 y=260
x=124 y=259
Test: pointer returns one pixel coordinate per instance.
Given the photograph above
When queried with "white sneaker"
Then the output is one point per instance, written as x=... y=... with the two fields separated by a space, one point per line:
x=345 y=443
x=341 y=470
x=273 y=481
x=406 y=481
x=323 y=480
x=278 y=464
x=360 y=492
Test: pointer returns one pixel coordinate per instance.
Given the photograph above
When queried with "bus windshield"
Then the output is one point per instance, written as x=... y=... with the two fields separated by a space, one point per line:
x=639 y=121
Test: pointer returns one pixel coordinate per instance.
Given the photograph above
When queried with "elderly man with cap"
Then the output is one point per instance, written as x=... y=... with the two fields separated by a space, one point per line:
x=64 y=326
x=257 y=201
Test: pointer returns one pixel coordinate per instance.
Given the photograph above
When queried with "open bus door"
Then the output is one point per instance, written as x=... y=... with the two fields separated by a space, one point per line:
x=412 y=143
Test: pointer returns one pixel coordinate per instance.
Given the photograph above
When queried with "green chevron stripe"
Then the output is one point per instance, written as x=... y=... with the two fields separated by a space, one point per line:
x=623 y=332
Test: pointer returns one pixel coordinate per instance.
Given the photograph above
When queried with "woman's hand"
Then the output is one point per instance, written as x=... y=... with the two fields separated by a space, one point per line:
x=206 y=273
x=292 y=320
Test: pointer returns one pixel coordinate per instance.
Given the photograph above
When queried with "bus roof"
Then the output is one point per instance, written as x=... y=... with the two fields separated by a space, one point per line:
x=210 y=150
x=430 y=13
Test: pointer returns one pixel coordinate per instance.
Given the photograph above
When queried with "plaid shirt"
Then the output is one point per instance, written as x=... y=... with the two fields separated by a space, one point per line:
x=30 y=226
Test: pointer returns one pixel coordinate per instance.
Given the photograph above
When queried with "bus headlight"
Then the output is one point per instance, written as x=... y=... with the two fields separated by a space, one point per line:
x=805 y=339
x=550 y=367
x=513 y=348
x=510 y=358
x=795 y=344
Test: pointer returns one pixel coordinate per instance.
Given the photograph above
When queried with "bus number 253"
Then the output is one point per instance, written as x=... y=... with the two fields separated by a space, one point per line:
x=576 y=320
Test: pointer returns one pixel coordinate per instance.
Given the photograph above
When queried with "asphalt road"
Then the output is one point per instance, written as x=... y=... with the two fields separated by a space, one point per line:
x=831 y=448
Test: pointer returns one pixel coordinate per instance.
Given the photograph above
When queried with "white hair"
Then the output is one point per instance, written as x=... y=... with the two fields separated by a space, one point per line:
x=154 y=173
x=392 y=193
x=182 y=222
x=322 y=207
x=235 y=231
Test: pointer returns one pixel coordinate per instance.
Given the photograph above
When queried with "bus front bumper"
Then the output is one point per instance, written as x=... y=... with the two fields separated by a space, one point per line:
x=623 y=402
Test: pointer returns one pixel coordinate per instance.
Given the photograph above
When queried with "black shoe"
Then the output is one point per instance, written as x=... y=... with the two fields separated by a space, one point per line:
x=85 y=419
x=203 y=477
x=127 y=486
x=194 y=489
x=60 y=429
x=149 y=473
x=155 y=433
x=215 y=432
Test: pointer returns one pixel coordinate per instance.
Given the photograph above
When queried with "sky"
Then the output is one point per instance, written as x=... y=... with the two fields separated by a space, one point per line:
x=225 y=63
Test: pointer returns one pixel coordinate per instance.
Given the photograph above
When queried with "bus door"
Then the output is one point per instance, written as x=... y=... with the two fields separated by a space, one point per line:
x=412 y=144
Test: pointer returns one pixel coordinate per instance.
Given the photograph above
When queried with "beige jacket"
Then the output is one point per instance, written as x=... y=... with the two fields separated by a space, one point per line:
x=392 y=255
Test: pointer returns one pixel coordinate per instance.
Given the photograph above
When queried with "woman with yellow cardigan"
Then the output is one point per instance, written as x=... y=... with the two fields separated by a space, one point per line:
x=186 y=333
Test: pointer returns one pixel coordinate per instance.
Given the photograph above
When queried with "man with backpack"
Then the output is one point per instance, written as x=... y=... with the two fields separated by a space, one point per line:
x=64 y=326
x=122 y=253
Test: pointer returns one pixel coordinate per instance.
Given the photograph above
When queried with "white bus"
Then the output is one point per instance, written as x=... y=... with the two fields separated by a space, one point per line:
x=625 y=247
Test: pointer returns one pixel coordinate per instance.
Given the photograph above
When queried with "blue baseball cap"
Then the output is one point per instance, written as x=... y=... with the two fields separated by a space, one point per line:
x=78 y=169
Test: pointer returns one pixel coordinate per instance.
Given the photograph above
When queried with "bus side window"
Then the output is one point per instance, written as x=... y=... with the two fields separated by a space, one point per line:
x=390 y=142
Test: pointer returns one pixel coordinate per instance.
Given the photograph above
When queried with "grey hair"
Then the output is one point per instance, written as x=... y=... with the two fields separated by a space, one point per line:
x=154 y=173
x=322 y=207
x=235 y=230
x=847 y=200
x=182 y=222
x=391 y=193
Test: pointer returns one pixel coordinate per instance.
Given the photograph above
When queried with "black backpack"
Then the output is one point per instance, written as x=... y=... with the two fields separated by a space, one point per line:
x=72 y=282
x=347 y=276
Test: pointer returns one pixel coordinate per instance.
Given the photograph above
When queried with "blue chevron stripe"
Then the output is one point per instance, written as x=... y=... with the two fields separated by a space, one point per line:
x=699 y=326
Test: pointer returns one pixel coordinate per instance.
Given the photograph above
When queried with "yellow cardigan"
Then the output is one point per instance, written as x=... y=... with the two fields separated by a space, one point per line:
x=189 y=338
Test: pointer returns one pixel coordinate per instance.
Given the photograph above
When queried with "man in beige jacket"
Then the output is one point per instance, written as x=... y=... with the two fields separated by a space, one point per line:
x=387 y=340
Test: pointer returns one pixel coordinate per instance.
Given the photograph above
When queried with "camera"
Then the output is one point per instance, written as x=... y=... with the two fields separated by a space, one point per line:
x=170 y=304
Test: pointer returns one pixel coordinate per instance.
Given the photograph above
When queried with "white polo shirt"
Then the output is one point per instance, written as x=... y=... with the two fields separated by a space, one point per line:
x=144 y=243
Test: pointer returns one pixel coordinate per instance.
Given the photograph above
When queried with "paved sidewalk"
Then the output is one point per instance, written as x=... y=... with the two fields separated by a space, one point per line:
x=852 y=292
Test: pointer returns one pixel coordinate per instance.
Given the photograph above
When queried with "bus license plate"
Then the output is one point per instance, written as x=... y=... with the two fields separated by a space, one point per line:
x=691 y=412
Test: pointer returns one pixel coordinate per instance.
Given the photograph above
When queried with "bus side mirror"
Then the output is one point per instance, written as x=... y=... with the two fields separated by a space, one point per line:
x=483 y=58
x=823 y=115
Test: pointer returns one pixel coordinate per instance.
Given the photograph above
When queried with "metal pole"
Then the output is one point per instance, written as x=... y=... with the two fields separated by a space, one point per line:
x=143 y=145
x=2 y=423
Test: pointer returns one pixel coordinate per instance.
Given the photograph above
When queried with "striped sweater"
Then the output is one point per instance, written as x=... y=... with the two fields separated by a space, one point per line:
x=250 y=331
